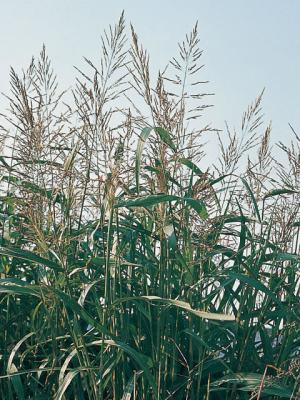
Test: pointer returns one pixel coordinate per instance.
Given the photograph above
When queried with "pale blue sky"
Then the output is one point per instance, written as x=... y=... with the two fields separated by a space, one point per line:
x=248 y=45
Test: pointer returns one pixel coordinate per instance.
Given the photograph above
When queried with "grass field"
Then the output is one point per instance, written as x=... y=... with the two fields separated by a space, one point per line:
x=129 y=268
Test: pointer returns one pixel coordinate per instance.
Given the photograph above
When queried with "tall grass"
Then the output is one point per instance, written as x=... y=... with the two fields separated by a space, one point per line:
x=129 y=269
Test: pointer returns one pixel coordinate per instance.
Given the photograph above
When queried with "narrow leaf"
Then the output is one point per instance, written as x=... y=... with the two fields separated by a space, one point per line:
x=276 y=192
x=255 y=206
x=29 y=256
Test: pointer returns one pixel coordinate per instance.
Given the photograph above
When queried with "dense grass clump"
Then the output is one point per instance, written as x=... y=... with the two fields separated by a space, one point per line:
x=129 y=269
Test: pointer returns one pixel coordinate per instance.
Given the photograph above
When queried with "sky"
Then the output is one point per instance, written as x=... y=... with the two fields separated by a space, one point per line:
x=247 y=46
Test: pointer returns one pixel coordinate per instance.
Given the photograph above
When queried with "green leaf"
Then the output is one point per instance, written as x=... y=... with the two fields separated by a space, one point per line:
x=228 y=219
x=165 y=137
x=198 y=206
x=146 y=201
x=201 y=342
x=255 y=206
x=130 y=386
x=2 y=160
x=32 y=187
x=17 y=383
x=249 y=382
x=14 y=288
x=151 y=200
x=278 y=256
x=276 y=192
x=29 y=256
x=11 y=368
x=76 y=308
x=219 y=179
x=66 y=382
x=139 y=151
x=73 y=306
x=183 y=305
x=188 y=163
x=256 y=284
